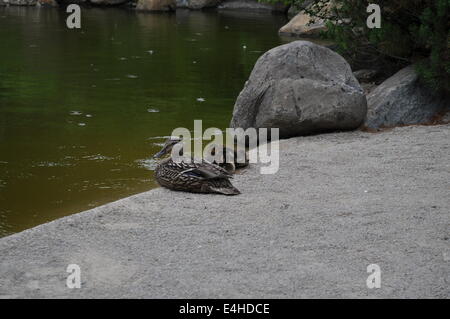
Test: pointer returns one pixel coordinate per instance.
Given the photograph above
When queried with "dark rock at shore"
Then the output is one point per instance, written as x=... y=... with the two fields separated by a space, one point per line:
x=67 y=2
x=403 y=100
x=47 y=3
x=197 y=4
x=300 y=88
x=367 y=78
x=253 y=5
x=108 y=2
x=22 y=2
x=366 y=75
x=156 y=5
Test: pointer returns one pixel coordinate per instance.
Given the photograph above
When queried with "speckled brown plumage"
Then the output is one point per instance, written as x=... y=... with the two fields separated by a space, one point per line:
x=189 y=176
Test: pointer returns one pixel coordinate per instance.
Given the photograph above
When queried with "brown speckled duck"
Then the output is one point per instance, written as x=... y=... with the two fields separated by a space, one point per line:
x=191 y=176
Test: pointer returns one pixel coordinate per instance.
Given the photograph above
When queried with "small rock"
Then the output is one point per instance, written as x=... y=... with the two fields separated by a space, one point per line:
x=365 y=75
x=156 y=5
x=108 y=3
x=197 y=4
x=253 y=5
x=301 y=25
x=403 y=100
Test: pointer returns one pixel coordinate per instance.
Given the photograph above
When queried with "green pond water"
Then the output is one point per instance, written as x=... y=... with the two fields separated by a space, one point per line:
x=82 y=111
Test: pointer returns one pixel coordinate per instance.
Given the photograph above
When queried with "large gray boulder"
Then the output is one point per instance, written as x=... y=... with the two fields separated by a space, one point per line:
x=301 y=88
x=401 y=100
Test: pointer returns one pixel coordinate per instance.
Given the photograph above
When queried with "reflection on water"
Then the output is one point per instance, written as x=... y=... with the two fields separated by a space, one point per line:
x=80 y=109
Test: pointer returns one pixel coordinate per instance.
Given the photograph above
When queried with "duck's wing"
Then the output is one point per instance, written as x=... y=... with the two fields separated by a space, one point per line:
x=203 y=169
x=210 y=170
x=208 y=173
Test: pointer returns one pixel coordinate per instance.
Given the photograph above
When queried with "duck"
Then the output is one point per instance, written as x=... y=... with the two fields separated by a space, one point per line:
x=191 y=175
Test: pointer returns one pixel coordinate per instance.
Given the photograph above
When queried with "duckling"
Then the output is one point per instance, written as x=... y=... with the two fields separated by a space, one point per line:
x=228 y=159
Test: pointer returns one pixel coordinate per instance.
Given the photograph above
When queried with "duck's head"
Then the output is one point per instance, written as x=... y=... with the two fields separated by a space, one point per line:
x=168 y=146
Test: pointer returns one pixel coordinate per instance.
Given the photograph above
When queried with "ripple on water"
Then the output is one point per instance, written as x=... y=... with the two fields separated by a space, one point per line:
x=75 y=113
x=158 y=137
x=147 y=163
x=159 y=144
x=98 y=157
x=52 y=164
x=152 y=110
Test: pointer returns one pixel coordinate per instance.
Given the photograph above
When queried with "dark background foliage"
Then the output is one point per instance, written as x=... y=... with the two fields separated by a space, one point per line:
x=412 y=31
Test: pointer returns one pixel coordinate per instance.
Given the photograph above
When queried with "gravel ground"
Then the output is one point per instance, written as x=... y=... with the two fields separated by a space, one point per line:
x=339 y=203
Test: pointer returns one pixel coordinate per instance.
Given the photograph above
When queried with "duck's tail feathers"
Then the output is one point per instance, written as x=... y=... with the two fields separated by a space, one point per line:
x=225 y=190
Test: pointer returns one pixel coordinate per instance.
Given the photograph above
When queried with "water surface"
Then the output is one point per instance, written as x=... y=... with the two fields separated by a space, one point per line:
x=81 y=111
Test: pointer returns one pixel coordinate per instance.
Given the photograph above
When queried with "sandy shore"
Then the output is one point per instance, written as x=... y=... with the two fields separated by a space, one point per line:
x=339 y=203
